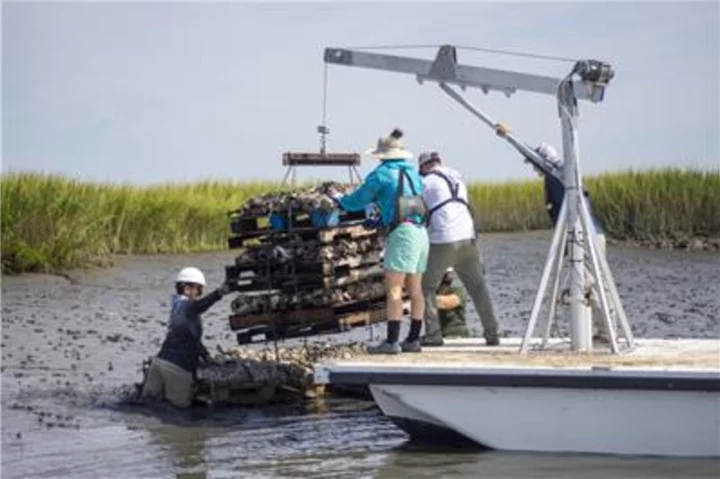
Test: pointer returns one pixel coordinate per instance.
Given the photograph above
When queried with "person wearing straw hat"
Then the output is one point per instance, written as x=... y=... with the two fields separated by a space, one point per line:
x=453 y=243
x=554 y=194
x=396 y=189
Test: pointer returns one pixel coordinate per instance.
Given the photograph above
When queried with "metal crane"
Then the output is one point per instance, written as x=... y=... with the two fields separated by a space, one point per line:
x=574 y=232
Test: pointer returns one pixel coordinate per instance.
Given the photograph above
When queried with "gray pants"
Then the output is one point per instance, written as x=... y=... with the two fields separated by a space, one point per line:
x=465 y=258
x=166 y=380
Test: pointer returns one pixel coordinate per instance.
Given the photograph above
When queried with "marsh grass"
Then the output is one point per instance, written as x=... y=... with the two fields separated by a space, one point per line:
x=52 y=223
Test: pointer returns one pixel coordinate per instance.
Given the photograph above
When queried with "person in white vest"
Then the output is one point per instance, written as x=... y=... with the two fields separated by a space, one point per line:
x=453 y=243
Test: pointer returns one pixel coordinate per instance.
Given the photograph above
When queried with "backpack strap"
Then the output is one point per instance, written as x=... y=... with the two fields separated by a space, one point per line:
x=399 y=213
x=454 y=197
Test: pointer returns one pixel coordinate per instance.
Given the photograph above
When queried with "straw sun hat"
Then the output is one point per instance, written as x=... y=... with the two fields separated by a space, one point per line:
x=390 y=148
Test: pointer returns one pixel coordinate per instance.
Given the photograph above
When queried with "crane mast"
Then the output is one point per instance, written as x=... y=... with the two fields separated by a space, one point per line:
x=574 y=245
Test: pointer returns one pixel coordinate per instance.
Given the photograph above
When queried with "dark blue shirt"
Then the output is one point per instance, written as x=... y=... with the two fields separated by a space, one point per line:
x=554 y=194
x=183 y=342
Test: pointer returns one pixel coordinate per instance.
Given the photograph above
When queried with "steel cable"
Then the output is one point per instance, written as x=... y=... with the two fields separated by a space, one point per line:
x=466 y=47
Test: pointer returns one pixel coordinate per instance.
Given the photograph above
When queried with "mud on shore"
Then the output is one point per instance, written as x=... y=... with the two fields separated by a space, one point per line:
x=72 y=346
x=696 y=243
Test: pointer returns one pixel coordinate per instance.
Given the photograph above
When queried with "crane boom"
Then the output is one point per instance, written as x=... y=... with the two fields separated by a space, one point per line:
x=574 y=232
x=445 y=69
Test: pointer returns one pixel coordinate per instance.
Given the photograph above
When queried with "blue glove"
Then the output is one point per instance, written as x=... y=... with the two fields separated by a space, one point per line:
x=372 y=223
x=373 y=219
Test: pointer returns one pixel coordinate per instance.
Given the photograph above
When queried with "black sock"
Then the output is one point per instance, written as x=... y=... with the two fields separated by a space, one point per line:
x=393 y=331
x=415 y=328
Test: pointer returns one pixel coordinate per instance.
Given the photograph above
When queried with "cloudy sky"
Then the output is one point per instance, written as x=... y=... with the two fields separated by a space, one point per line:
x=145 y=93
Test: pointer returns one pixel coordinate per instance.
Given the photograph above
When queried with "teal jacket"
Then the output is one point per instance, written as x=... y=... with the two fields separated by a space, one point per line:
x=380 y=187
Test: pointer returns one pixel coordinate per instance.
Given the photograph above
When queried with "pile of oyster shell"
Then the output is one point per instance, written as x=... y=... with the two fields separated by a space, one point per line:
x=287 y=371
x=301 y=200
x=309 y=251
x=247 y=304
x=304 y=356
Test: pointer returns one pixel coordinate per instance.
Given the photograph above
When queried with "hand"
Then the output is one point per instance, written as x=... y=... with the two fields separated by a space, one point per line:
x=333 y=193
x=224 y=288
x=210 y=361
x=372 y=223
x=501 y=129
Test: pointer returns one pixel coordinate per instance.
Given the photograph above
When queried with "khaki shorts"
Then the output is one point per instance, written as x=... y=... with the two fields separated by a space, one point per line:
x=166 y=380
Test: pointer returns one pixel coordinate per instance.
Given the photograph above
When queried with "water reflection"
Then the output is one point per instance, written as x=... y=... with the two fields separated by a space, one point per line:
x=409 y=460
x=184 y=448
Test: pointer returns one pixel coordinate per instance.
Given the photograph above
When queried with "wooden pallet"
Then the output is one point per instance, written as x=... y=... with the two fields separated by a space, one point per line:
x=337 y=324
x=255 y=303
x=308 y=314
x=303 y=234
x=317 y=267
x=350 y=232
x=303 y=282
x=299 y=220
x=309 y=251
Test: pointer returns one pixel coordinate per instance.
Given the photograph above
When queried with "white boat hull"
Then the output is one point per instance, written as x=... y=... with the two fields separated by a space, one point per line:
x=661 y=399
x=635 y=422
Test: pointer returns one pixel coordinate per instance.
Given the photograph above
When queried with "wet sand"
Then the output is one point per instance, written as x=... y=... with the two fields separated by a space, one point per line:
x=71 y=347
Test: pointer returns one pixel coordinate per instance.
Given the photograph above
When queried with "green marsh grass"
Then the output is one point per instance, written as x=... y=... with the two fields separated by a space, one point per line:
x=52 y=223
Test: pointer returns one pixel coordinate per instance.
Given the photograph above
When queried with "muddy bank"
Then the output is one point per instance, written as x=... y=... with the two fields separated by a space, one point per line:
x=696 y=243
x=71 y=346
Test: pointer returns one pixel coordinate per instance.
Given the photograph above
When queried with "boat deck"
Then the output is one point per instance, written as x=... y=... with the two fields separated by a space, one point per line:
x=700 y=355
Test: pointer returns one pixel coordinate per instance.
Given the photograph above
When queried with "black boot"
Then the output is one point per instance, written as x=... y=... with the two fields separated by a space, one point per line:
x=492 y=339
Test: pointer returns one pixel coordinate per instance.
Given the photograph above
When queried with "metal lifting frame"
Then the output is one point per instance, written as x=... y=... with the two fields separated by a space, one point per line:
x=294 y=160
x=574 y=243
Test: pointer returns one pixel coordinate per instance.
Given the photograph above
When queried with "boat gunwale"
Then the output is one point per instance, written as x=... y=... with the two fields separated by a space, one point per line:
x=529 y=377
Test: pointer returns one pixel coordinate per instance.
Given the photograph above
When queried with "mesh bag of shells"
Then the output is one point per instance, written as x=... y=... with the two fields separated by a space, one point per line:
x=304 y=356
x=295 y=247
x=300 y=200
x=251 y=376
x=246 y=304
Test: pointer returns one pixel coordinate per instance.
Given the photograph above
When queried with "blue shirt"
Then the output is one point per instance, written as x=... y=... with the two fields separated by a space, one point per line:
x=381 y=187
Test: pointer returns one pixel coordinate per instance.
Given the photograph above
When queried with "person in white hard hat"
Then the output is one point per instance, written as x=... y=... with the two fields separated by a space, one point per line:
x=453 y=243
x=553 y=173
x=173 y=371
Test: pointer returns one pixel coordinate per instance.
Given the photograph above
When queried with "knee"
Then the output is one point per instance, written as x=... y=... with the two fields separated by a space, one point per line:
x=474 y=279
x=394 y=293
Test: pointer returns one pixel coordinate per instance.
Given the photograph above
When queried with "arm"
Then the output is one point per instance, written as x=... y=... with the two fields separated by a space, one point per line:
x=362 y=196
x=203 y=304
x=448 y=301
x=546 y=167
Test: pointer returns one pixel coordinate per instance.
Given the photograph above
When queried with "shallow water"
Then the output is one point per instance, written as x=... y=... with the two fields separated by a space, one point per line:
x=68 y=346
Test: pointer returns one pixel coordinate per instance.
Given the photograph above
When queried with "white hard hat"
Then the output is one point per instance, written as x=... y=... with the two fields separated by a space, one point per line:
x=190 y=275
x=427 y=156
x=548 y=152
x=449 y=270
